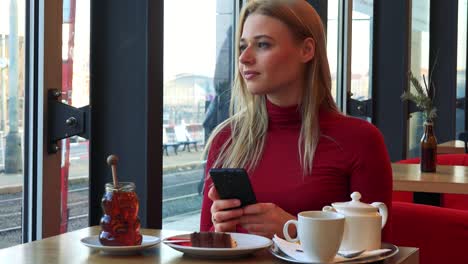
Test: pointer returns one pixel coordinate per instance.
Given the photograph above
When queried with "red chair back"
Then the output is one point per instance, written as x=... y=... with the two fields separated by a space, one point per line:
x=441 y=234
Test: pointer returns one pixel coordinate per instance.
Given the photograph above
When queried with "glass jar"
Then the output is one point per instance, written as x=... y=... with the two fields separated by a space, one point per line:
x=120 y=225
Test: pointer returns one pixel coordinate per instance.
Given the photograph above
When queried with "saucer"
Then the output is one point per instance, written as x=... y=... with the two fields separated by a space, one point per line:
x=93 y=242
x=246 y=244
x=276 y=251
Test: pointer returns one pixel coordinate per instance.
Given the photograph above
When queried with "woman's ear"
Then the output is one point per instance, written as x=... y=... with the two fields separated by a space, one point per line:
x=308 y=50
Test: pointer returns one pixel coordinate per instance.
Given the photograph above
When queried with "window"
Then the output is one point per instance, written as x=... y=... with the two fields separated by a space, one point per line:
x=75 y=92
x=361 y=57
x=461 y=66
x=332 y=42
x=419 y=65
x=28 y=70
x=198 y=70
x=12 y=81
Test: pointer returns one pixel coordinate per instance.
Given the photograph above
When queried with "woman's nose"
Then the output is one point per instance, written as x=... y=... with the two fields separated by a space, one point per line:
x=247 y=56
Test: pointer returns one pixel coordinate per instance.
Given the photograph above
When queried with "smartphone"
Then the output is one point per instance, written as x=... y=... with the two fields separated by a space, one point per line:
x=233 y=183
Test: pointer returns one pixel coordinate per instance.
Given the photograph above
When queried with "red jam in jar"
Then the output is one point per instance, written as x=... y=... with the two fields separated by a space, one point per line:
x=120 y=225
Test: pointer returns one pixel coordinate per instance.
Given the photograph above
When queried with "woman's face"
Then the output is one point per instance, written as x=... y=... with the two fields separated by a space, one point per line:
x=271 y=60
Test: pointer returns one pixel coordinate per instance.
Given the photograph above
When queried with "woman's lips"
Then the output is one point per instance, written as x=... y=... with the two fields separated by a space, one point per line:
x=249 y=75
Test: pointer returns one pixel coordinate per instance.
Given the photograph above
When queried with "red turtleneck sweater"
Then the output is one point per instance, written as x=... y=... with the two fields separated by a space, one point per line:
x=351 y=156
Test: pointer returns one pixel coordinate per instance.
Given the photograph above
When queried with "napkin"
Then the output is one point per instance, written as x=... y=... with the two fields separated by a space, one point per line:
x=290 y=249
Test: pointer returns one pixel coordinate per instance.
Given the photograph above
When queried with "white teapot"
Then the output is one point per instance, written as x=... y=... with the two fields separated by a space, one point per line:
x=363 y=223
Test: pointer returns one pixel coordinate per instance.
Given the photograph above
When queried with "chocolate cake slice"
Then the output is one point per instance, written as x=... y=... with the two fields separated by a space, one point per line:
x=212 y=240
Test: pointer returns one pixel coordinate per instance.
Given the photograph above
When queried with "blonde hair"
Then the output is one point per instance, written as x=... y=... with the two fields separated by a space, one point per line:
x=248 y=119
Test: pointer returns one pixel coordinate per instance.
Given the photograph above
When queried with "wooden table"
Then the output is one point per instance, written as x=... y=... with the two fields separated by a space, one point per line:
x=428 y=186
x=446 y=179
x=67 y=248
x=451 y=147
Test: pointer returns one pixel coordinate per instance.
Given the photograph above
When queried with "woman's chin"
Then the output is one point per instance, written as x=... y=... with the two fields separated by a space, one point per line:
x=257 y=91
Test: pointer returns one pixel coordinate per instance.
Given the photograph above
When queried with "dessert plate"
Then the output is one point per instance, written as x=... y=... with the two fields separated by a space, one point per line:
x=276 y=251
x=246 y=244
x=93 y=242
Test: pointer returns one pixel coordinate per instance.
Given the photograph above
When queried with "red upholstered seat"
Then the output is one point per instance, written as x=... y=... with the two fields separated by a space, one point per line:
x=441 y=234
x=455 y=201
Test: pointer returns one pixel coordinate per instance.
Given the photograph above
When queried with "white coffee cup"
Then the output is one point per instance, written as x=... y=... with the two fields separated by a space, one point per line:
x=320 y=234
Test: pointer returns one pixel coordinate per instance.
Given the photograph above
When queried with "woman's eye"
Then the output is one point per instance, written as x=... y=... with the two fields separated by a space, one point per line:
x=263 y=45
x=242 y=48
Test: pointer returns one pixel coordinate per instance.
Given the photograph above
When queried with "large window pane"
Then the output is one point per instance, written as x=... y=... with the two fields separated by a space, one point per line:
x=75 y=92
x=361 y=49
x=461 y=64
x=419 y=65
x=197 y=79
x=12 y=73
x=332 y=42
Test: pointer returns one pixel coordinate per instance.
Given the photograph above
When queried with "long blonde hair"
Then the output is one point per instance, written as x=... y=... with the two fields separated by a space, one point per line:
x=248 y=119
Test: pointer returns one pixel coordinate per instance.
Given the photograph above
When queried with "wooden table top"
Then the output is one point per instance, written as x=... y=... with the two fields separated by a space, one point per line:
x=67 y=248
x=446 y=179
x=451 y=147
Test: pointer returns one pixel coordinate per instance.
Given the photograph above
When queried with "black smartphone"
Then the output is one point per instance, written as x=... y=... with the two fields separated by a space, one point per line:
x=233 y=183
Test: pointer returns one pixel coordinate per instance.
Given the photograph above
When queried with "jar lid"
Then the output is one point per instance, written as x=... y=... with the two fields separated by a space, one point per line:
x=122 y=187
x=354 y=204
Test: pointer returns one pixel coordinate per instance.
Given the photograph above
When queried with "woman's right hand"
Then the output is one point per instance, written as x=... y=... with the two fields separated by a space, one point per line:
x=224 y=220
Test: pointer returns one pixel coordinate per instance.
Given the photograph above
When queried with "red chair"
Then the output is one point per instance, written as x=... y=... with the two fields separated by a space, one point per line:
x=400 y=196
x=454 y=201
x=441 y=234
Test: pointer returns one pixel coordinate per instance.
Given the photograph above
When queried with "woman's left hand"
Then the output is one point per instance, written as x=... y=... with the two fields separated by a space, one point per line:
x=265 y=219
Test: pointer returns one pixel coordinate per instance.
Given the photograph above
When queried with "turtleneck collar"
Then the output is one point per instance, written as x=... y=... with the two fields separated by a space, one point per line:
x=283 y=117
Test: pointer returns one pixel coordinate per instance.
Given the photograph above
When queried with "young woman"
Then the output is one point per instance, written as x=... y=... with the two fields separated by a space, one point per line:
x=285 y=129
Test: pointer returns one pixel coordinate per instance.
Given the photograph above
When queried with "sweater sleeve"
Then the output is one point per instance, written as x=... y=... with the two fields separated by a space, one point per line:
x=205 y=218
x=371 y=172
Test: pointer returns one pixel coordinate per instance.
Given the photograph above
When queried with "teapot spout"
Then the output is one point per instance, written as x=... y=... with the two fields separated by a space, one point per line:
x=383 y=211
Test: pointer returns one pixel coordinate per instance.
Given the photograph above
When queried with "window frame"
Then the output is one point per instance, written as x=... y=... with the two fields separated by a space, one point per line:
x=41 y=219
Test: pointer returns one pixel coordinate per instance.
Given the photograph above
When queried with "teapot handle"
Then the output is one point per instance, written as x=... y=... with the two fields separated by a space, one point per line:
x=383 y=211
x=328 y=208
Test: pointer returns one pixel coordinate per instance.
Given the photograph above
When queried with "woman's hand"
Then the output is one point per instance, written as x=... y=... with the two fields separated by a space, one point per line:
x=224 y=220
x=266 y=219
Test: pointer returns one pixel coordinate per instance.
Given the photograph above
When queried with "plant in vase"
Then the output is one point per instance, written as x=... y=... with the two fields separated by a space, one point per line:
x=423 y=98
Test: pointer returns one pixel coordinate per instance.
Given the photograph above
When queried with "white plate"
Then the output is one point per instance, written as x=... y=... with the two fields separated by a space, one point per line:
x=147 y=241
x=394 y=250
x=246 y=244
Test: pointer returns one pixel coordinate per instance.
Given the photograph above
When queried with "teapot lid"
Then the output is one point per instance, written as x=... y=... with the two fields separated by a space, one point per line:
x=355 y=204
